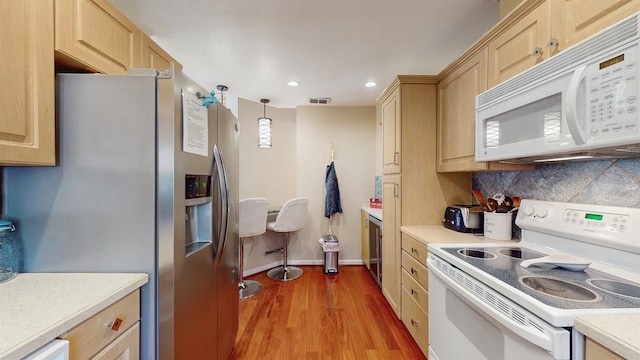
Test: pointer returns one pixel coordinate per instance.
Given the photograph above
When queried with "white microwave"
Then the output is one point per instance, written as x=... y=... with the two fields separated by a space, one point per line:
x=581 y=104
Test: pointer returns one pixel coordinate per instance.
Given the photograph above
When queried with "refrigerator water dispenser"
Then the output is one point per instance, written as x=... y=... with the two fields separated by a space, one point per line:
x=197 y=212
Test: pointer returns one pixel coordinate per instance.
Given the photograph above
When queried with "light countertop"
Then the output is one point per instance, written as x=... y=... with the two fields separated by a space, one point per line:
x=618 y=333
x=377 y=213
x=438 y=234
x=35 y=308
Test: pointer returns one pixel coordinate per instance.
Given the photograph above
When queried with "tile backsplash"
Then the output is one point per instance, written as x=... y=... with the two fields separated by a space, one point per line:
x=378 y=186
x=615 y=183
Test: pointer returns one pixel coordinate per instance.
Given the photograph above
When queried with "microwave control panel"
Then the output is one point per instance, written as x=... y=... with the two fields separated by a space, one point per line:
x=613 y=95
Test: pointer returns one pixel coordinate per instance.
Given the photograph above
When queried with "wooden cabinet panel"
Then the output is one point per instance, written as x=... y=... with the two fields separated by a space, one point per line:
x=416 y=320
x=457 y=114
x=126 y=347
x=391 y=258
x=506 y=6
x=595 y=351
x=364 y=233
x=155 y=57
x=94 y=334
x=391 y=133
x=27 y=102
x=95 y=34
x=514 y=50
x=576 y=20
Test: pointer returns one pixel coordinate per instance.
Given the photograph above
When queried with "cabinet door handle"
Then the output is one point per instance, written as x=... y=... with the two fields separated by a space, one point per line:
x=413 y=250
x=537 y=52
x=115 y=324
x=412 y=271
x=396 y=155
x=552 y=44
x=414 y=322
x=413 y=292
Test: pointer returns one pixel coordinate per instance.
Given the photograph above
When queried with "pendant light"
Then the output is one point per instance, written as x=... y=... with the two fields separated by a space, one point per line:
x=264 y=127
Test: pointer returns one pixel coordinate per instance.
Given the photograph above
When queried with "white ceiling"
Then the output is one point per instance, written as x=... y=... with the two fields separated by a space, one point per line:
x=332 y=47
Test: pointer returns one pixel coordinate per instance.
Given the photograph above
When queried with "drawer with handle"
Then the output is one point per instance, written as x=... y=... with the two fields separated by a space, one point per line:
x=95 y=333
x=417 y=270
x=415 y=248
x=417 y=292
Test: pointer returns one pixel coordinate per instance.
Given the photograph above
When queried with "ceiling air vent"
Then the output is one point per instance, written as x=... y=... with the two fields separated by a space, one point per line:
x=319 y=101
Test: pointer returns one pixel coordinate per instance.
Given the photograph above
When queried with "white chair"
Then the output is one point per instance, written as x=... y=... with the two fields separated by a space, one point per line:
x=292 y=217
x=252 y=215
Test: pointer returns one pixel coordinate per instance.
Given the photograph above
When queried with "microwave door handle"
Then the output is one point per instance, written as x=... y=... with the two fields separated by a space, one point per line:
x=571 y=112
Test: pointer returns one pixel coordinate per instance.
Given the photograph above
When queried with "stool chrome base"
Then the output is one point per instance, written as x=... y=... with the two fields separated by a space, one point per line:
x=283 y=273
x=248 y=288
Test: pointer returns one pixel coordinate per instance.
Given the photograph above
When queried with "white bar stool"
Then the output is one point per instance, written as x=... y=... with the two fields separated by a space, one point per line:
x=292 y=217
x=252 y=215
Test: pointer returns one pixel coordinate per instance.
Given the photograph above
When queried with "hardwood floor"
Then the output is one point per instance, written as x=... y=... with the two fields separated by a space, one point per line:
x=318 y=316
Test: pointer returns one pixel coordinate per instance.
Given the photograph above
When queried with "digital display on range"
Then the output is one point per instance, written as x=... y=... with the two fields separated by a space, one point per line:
x=612 y=61
x=597 y=217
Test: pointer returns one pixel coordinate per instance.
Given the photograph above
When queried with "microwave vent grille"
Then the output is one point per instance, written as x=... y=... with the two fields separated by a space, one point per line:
x=620 y=33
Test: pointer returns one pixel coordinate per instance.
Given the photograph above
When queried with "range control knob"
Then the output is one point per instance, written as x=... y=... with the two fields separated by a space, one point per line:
x=542 y=212
x=528 y=211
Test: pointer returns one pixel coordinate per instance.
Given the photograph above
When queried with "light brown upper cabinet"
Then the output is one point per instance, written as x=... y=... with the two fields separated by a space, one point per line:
x=154 y=57
x=580 y=19
x=391 y=133
x=457 y=92
x=27 y=103
x=520 y=46
x=506 y=6
x=457 y=112
x=537 y=30
x=95 y=35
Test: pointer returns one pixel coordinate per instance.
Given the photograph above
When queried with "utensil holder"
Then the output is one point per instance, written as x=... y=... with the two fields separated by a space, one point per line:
x=497 y=226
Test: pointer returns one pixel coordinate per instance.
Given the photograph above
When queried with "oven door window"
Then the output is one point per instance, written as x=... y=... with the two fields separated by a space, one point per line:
x=461 y=328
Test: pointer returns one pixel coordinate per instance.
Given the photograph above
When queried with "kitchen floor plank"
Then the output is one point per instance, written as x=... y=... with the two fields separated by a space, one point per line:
x=320 y=316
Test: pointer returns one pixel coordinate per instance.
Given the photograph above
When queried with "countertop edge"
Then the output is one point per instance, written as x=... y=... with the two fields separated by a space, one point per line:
x=375 y=212
x=41 y=338
x=438 y=234
x=598 y=328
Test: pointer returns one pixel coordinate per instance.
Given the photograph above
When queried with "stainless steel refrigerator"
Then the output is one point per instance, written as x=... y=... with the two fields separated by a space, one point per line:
x=146 y=181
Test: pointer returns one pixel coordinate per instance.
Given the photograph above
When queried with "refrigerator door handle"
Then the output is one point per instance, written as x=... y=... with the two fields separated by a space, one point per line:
x=219 y=172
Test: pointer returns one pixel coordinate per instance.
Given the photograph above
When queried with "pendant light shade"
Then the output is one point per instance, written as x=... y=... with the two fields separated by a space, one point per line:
x=264 y=127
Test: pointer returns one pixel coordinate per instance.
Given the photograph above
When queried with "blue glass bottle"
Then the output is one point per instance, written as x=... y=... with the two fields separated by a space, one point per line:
x=10 y=251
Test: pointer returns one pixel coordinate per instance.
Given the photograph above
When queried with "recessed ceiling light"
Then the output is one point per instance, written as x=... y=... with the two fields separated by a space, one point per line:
x=370 y=84
x=293 y=83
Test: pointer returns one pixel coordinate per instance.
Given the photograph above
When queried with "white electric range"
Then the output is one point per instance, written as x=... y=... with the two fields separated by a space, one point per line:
x=519 y=300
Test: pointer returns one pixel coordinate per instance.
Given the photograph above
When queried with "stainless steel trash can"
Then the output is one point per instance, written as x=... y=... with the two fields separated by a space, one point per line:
x=331 y=262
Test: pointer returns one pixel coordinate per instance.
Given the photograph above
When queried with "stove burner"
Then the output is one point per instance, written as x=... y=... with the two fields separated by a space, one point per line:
x=520 y=253
x=559 y=288
x=476 y=253
x=616 y=287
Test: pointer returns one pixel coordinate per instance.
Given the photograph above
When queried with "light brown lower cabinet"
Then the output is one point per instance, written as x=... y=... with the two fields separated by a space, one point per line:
x=595 y=351
x=416 y=320
x=364 y=234
x=415 y=294
x=98 y=337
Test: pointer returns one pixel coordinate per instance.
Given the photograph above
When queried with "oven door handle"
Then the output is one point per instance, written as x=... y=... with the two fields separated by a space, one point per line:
x=549 y=340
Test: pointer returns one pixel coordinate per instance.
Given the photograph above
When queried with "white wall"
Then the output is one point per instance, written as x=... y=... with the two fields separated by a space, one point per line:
x=295 y=167
x=267 y=172
x=352 y=130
